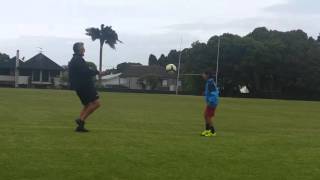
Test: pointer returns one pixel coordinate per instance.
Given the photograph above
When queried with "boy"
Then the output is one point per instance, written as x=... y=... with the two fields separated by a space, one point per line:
x=212 y=100
x=81 y=80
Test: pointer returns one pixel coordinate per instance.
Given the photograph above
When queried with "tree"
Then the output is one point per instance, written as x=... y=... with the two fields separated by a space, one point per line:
x=106 y=35
x=269 y=62
x=162 y=60
x=261 y=34
x=4 y=57
x=173 y=57
x=153 y=60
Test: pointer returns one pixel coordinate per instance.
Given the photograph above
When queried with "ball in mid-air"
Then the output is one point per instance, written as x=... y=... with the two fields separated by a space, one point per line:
x=171 y=68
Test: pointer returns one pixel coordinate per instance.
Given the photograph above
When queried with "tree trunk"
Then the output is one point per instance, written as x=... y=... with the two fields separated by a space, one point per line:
x=100 y=62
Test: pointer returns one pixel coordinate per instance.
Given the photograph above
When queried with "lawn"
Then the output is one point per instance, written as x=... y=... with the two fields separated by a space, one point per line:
x=140 y=136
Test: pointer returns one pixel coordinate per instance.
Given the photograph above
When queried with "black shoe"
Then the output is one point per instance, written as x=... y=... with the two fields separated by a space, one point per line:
x=81 y=129
x=78 y=121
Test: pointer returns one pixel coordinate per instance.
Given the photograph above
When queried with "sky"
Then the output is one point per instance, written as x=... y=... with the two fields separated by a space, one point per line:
x=144 y=26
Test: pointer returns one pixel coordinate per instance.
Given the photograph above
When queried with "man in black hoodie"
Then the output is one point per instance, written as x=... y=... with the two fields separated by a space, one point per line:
x=81 y=80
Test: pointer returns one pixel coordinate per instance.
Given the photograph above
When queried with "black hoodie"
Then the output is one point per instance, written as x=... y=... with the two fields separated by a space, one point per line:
x=80 y=75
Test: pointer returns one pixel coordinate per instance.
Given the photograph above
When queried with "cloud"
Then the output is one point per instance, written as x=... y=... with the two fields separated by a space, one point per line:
x=306 y=7
x=244 y=26
x=240 y=26
x=136 y=48
x=145 y=26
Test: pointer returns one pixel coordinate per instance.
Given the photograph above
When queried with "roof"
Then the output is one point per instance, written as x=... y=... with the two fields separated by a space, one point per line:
x=141 y=71
x=41 y=62
x=9 y=63
x=111 y=76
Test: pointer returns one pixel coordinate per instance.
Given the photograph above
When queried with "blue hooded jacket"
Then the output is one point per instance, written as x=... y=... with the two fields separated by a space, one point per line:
x=211 y=93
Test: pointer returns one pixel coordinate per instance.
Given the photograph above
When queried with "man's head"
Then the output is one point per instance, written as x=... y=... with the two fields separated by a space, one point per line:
x=78 y=48
x=207 y=75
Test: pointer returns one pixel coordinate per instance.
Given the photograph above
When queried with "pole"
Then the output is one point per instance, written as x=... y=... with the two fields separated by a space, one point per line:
x=179 y=65
x=16 y=73
x=218 y=56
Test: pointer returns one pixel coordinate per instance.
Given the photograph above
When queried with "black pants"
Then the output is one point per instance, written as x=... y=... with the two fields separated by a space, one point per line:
x=87 y=94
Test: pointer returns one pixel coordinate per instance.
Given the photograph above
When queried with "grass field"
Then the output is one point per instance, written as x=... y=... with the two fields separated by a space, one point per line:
x=138 y=136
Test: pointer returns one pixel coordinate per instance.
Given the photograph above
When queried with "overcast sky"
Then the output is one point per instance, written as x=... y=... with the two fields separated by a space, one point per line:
x=145 y=26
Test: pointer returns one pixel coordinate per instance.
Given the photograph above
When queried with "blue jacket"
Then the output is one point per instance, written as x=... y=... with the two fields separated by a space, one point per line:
x=211 y=93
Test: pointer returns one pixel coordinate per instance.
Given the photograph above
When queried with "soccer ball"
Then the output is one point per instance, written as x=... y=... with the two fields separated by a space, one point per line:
x=171 y=68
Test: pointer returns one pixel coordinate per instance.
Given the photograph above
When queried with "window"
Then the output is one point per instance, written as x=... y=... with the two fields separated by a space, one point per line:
x=36 y=75
x=54 y=73
x=165 y=83
x=25 y=73
x=45 y=76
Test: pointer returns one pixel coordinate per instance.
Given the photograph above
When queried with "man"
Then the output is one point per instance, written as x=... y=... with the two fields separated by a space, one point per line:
x=212 y=100
x=81 y=80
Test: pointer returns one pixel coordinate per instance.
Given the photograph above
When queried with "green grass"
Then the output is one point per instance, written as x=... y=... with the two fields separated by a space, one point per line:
x=138 y=136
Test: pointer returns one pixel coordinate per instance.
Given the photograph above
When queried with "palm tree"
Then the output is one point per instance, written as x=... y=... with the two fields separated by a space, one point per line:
x=106 y=35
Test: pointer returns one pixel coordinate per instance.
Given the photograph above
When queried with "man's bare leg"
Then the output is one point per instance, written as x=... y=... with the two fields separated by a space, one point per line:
x=86 y=111
x=92 y=107
x=83 y=111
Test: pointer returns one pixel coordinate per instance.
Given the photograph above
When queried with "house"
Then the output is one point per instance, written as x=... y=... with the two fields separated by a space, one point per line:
x=39 y=71
x=7 y=73
x=139 y=77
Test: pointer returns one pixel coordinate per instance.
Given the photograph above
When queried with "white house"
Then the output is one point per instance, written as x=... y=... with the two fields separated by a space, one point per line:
x=113 y=80
x=140 y=77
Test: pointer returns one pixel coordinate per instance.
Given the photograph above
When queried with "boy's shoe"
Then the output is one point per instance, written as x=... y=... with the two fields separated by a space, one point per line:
x=210 y=134
x=204 y=133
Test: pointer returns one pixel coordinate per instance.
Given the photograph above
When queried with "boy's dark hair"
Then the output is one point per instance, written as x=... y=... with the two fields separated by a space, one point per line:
x=209 y=73
x=77 y=46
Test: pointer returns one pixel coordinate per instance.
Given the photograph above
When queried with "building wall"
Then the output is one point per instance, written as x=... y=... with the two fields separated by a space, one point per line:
x=114 y=82
x=21 y=80
x=27 y=78
x=171 y=84
x=6 y=78
x=168 y=84
x=132 y=83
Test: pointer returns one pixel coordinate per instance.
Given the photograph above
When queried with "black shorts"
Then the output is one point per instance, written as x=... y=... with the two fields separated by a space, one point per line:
x=87 y=95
